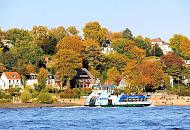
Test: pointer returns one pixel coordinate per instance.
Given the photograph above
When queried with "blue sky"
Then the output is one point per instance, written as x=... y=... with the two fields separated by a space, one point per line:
x=151 y=18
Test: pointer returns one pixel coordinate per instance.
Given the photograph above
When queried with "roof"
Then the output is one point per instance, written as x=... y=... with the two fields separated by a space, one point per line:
x=156 y=40
x=12 y=75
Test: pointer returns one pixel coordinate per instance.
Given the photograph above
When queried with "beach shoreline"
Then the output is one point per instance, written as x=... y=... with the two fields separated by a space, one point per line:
x=158 y=99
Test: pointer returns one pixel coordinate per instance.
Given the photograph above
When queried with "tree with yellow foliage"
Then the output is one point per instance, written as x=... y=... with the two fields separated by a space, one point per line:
x=93 y=30
x=42 y=78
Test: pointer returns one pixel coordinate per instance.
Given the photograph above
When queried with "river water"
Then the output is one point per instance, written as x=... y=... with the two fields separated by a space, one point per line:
x=85 y=118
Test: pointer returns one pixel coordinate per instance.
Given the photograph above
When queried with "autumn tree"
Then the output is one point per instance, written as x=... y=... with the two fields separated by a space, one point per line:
x=93 y=58
x=90 y=42
x=72 y=30
x=180 y=45
x=148 y=74
x=117 y=60
x=173 y=64
x=93 y=30
x=114 y=35
x=2 y=67
x=113 y=75
x=59 y=33
x=185 y=48
x=72 y=43
x=42 y=78
x=2 y=35
x=66 y=62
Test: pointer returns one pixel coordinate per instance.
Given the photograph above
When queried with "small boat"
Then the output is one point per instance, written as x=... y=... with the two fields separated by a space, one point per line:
x=105 y=98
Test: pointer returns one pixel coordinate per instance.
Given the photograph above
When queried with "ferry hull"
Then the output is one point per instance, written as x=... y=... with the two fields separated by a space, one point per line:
x=121 y=105
x=127 y=105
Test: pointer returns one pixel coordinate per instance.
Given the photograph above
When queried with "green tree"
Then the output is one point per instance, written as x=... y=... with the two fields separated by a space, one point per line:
x=17 y=35
x=128 y=48
x=44 y=39
x=127 y=34
x=156 y=51
x=143 y=43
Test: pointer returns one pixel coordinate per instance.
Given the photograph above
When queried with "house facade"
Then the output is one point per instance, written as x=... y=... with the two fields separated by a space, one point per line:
x=83 y=79
x=162 y=44
x=2 y=84
x=31 y=79
x=10 y=80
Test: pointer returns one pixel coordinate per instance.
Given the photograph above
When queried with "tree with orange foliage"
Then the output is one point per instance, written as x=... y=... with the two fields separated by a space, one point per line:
x=148 y=74
x=90 y=42
x=72 y=43
x=66 y=62
x=113 y=75
x=173 y=65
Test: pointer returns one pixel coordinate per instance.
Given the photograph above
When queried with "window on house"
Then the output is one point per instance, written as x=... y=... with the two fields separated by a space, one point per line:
x=9 y=81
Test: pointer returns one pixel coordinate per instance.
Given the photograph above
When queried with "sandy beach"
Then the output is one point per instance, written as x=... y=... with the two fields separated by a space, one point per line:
x=61 y=103
x=161 y=99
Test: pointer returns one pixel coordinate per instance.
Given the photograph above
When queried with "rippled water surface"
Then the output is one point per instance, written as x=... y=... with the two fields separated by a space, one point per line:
x=83 y=118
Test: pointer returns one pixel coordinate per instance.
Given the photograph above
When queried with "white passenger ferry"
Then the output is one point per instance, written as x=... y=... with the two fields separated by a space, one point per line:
x=106 y=98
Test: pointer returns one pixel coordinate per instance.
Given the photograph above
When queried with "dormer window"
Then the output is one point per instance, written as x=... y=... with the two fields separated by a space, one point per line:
x=14 y=76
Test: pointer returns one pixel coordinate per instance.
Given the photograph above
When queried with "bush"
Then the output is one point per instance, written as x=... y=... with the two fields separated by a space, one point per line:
x=5 y=100
x=68 y=93
x=27 y=88
x=85 y=91
x=26 y=96
x=34 y=93
x=14 y=91
x=51 y=89
x=4 y=95
x=54 y=99
x=45 y=97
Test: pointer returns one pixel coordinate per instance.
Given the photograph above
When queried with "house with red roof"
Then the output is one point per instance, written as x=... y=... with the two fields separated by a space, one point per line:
x=11 y=80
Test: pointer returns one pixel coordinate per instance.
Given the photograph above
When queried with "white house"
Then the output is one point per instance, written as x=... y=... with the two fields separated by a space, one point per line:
x=31 y=79
x=11 y=80
x=162 y=44
x=2 y=84
x=107 y=50
x=187 y=62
